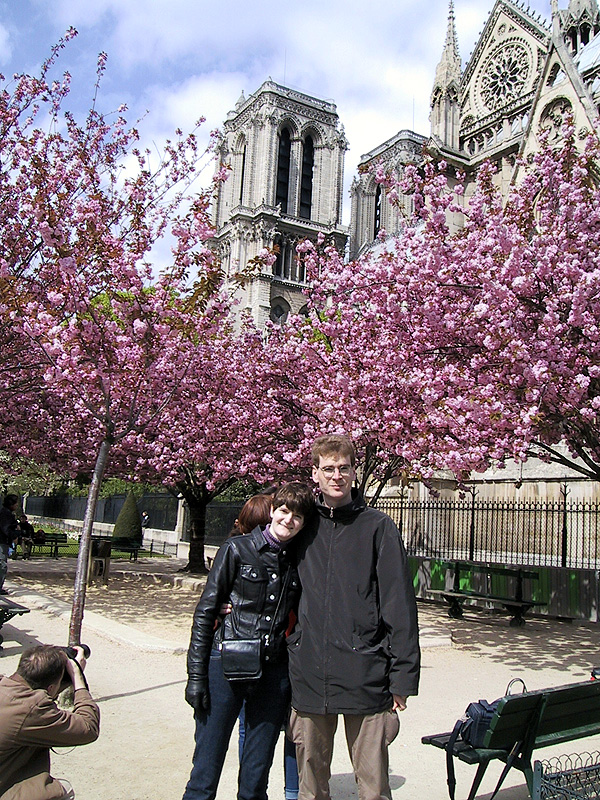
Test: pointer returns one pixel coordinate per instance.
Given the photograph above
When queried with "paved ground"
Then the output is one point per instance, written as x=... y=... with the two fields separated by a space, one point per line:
x=138 y=629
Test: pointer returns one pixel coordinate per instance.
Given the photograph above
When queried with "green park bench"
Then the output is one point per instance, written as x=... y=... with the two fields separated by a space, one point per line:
x=126 y=546
x=524 y=723
x=52 y=541
x=516 y=605
x=8 y=610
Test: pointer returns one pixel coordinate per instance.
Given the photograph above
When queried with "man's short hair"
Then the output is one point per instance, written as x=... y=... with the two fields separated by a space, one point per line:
x=10 y=500
x=333 y=444
x=297 y=497
x=42 y=665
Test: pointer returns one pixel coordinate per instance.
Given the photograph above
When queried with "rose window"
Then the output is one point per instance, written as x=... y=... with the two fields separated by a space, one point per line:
x=504 y=75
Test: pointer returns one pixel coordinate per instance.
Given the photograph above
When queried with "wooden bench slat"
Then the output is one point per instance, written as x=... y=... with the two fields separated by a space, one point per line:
x=517 y=606
x=8 y=610
x=10 y=604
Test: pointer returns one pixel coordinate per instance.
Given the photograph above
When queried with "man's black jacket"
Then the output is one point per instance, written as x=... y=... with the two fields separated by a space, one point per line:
x=356 y=642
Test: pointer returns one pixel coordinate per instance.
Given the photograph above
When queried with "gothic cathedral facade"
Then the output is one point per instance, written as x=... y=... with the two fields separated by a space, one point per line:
x=286 y=149
x=524 y=76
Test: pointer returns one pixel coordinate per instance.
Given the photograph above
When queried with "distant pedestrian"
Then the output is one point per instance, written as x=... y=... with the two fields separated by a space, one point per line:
x=9 y=533
x=26 y=535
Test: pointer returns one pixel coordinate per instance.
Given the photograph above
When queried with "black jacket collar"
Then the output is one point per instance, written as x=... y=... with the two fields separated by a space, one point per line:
x=343 y=513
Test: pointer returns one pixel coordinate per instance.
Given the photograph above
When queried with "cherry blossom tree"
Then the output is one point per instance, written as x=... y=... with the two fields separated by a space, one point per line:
x=108 y=336
x=460 y=350
x=232 y=430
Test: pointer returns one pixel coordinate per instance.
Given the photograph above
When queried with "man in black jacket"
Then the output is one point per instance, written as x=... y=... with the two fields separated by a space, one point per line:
x=355 y=650
x=9 y=531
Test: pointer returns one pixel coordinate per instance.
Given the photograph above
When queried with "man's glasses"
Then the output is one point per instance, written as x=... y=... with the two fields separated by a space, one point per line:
x=329 y=472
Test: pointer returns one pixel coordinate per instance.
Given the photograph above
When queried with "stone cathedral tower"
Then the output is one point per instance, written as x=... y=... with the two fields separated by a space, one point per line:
x=286 y=154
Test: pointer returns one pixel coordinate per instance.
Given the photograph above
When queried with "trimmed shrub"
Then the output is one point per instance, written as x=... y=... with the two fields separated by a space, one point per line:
x=129 y=522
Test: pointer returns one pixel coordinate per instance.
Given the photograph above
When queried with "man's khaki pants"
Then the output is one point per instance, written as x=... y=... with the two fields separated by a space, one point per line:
x=367 y=737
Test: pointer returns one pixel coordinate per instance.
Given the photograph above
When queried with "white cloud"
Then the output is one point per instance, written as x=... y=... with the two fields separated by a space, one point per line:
x=180 y=59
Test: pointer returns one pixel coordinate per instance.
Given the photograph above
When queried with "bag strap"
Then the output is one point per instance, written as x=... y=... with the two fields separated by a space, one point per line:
x=283 y=588
x=509 y=762
x=451 y=777
x=516 y=749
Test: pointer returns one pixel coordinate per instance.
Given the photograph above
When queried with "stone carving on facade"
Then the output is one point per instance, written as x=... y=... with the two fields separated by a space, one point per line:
x=554 y=116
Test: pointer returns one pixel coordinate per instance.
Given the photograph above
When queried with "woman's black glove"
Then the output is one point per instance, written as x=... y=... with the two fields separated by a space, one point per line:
x=196 y=694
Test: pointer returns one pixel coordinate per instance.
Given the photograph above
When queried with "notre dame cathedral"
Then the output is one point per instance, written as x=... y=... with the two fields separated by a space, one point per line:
x=286 y=149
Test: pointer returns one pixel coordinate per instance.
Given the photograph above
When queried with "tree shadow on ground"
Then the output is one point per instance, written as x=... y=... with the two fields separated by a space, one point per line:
x=142 y=602
x=538 y=645
x=541 y=643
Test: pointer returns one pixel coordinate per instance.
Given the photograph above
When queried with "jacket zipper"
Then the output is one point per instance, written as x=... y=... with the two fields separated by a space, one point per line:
x=328 y=616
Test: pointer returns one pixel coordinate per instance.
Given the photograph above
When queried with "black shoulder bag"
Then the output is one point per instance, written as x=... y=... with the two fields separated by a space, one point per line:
x=241 y=658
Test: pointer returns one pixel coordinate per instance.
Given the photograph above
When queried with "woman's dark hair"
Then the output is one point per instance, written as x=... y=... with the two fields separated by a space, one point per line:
x=256 y=511
x=297 y=497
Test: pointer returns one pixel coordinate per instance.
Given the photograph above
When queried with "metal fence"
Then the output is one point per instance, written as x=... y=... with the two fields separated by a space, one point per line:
x=543 y=534
x=161 y=508
x=220 y=518
x=550 y=534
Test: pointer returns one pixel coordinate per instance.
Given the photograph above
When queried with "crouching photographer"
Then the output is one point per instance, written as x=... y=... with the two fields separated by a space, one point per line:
x=31 y=722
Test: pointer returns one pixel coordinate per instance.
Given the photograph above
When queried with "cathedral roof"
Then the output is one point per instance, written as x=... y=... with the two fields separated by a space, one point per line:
x=579 y=10
x=588 y=58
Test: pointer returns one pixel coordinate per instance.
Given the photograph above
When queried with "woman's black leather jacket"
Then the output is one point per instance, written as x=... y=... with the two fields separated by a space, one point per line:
x=250 y=576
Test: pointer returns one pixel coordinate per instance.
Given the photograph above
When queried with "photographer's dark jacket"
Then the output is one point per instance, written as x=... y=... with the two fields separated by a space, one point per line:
x=31 y=723
x=356 y=642
x=250 y=576
x=9 y=527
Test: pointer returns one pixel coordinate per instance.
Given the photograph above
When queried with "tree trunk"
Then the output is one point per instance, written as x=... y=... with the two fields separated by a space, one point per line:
x=197 y=564
x=85 y=546
x=197 y=496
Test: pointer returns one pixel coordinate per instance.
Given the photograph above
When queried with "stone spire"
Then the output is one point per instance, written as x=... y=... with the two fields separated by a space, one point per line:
x=579 y=9
x=445 y=95
x=579 y=22
x=449 y=69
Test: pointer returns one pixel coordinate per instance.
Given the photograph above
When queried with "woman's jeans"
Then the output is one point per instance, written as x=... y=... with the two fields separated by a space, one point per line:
x=266 y=703
x=290 y=766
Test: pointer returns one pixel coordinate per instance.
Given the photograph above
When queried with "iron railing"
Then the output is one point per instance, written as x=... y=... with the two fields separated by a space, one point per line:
x=550 y=534
x=544 y=534
x=161 y=508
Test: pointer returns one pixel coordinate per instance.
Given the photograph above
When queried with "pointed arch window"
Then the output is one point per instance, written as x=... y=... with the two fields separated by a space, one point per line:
x=585 y=34
x=308 y=162
x=278 y=265
x=283 y=170
x=378 y=209
x=242 y=173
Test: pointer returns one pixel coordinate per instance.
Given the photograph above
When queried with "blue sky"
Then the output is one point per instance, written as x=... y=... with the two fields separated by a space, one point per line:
x=182 y=59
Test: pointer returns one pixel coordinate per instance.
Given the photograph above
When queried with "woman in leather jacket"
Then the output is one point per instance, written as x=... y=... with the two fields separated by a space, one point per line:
x=256 y=574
